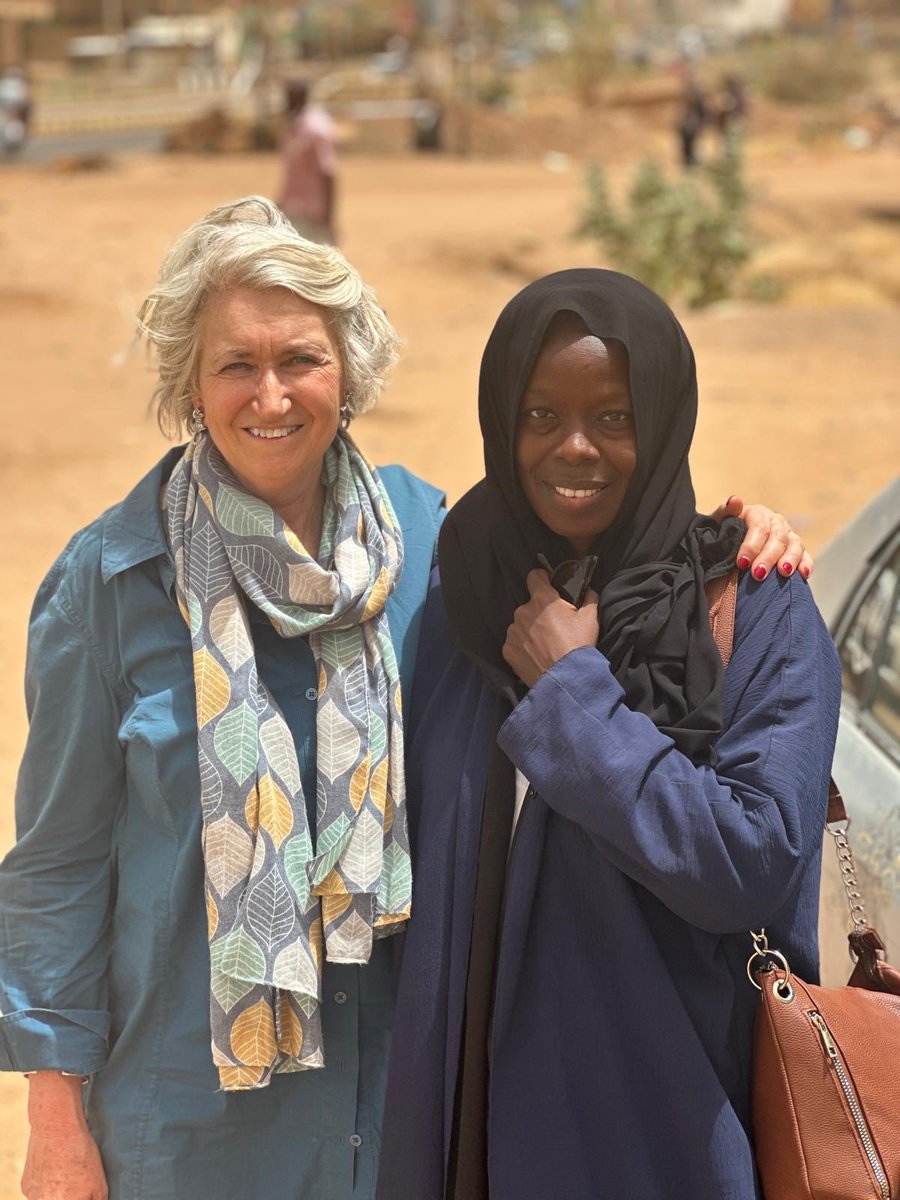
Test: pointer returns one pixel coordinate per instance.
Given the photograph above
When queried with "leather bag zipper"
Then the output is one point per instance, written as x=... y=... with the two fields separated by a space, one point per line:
x=856 y=1112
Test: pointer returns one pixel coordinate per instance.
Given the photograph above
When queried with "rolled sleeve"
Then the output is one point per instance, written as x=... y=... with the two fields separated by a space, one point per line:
x=41 y=1039
x=55 y=884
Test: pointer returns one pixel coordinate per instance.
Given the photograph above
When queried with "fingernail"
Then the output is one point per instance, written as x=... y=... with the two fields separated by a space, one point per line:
x=759 y=572
x=804 y=571
x=743 y=562
x=788 y=568
x=729 y=500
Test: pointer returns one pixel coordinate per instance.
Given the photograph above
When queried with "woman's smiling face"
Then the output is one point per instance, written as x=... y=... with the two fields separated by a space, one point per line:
x=269 y=384
x=576 y=448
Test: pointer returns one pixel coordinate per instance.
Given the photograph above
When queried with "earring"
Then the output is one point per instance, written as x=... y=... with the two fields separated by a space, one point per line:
x=346 y=415
x=197 y=425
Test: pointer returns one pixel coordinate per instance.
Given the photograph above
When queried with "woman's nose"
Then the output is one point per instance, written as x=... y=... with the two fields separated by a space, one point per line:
x=271 y=395
x=577 y=447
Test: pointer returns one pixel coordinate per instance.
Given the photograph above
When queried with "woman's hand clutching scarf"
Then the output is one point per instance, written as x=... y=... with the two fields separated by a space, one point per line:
x=548 y=628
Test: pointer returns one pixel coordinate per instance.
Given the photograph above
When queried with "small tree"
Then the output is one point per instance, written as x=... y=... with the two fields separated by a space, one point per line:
x=811 y=71
x=591 y=58
x=686 y=239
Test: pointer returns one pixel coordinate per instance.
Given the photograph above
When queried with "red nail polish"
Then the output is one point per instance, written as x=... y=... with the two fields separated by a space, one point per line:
x=804 y=571
x=788 y=568
x=759 y=572
x=743 y=562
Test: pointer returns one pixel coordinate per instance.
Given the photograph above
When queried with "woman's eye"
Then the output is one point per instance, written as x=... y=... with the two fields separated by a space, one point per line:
x=303 y=360
x=233 y=367
x=539 y=414
x=616 y=418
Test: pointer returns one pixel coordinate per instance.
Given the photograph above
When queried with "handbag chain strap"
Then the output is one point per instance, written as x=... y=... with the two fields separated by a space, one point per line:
x=721 y=595
x=838 y=827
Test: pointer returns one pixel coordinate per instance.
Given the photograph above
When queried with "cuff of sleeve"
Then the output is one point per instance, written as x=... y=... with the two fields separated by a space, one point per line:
x=582 y=676
x=44 y=1039
x=580 y=704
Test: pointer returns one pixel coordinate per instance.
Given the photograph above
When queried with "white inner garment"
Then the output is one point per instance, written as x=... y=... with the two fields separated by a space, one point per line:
x=522 y=786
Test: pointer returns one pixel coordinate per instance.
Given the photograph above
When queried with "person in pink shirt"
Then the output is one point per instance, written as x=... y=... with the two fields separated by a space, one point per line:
x=310 y=166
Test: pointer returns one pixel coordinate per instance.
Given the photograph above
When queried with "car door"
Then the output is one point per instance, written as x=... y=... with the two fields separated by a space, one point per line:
x=867 y=762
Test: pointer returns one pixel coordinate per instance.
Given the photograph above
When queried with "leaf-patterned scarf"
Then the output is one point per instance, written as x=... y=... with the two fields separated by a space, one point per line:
x=272 y=897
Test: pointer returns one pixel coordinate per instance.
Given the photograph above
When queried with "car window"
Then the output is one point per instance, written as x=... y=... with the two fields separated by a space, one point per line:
x=864 y=637
x=886 y=695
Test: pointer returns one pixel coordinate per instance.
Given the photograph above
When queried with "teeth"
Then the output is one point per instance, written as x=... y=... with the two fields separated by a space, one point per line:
x=577 y=493
x=284 y=431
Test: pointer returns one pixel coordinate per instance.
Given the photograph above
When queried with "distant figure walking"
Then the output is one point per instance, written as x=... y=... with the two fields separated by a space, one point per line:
x=310 y=166
x=731 y=106
x=691 y=120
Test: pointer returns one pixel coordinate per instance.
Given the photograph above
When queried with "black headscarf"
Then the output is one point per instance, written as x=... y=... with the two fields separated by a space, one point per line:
x=656 y=555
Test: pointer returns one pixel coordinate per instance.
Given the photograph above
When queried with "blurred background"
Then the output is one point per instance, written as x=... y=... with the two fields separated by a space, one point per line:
x=740 y=156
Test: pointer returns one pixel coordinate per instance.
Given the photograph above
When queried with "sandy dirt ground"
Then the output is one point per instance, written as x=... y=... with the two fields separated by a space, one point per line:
x=800 y=403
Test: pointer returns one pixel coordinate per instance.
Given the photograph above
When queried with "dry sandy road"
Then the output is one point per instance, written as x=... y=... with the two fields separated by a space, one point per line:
x=800 y=406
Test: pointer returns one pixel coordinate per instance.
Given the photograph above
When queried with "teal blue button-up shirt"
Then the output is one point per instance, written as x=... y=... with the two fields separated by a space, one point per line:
x=104 y=966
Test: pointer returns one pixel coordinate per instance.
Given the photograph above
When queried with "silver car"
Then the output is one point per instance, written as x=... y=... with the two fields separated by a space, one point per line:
x=857 y=587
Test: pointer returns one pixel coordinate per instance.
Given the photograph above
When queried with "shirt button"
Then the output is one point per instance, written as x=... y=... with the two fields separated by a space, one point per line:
x=312 y=694
x=340 y=997
x=355 y=1140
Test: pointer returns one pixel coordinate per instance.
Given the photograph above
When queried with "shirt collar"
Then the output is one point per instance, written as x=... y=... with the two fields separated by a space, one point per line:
x=133 y=530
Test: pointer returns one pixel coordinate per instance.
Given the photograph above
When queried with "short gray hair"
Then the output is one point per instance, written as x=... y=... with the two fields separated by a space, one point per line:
x=249 y=243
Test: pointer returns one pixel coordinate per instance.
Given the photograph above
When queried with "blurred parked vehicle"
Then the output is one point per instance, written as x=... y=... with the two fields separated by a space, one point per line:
x=395 y=59
x=857 y=586
x=15 y=110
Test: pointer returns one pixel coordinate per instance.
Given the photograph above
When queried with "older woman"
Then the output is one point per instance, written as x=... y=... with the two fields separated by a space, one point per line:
x=212 y=838
x=574 y=1016
x=252 y=607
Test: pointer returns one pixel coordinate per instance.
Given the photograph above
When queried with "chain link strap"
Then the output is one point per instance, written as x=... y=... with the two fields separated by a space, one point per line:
x=761 y=948
x=847 y=865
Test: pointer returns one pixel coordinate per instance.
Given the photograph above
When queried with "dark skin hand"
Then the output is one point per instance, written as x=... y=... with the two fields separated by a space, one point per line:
x=548 y=628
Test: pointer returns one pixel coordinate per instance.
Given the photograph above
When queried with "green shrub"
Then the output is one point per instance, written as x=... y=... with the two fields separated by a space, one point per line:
x=686 y=240
x=494 y=91
x=811 y=72
x=763 y=289
x=591 y=59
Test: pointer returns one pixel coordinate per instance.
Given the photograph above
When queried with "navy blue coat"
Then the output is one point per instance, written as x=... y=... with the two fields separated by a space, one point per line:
x=622 y=1031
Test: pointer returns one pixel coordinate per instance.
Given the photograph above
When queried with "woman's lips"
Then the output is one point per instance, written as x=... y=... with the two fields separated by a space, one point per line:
x=573 y=493
x=576 y=496
x=277 y=433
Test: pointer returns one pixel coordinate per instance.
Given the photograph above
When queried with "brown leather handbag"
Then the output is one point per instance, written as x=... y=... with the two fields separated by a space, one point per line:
x=826 y=1071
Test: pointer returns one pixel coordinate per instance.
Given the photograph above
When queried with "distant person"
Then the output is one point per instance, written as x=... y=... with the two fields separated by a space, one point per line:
x=310 y=166
x=691 y=119
x=731 y=107
x=428 y=121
